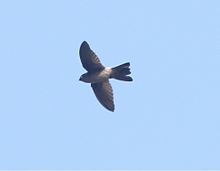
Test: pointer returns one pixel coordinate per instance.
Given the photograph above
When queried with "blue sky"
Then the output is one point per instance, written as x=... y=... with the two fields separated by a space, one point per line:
x=167 y=118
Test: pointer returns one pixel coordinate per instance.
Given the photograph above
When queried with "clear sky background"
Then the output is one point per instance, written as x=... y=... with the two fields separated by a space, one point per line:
x=167 y=118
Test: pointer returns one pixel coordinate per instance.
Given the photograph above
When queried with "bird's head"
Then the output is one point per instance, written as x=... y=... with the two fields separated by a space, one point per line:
x=84 y=78
x=81 y=78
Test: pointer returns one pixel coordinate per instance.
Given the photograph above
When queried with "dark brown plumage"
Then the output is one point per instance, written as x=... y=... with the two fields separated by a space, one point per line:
x=99 y=76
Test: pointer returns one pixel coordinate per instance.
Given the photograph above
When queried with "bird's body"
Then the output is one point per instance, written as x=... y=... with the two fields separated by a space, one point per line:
x=99 y=76
x=96 y=77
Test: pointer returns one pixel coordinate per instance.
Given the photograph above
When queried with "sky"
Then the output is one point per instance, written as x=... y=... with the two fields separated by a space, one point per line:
x=167 y=118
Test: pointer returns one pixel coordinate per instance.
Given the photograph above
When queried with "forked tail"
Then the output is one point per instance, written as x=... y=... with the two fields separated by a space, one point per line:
x=121 y=72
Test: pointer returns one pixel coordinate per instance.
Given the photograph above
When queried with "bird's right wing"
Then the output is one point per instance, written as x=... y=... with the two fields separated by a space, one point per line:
x=104 y=94
x=89 y=59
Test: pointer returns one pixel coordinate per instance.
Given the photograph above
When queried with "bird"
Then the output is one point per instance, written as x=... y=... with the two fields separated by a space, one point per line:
x=98 y=75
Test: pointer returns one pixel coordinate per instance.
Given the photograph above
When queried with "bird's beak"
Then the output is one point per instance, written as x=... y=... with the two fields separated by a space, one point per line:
x=80 y=79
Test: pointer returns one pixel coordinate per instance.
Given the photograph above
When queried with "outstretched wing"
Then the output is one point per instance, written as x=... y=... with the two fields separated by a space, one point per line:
x=104 y=94
x=89 y=59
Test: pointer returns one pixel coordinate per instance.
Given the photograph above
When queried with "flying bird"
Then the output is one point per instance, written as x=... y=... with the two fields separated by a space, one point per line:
x=99 y=76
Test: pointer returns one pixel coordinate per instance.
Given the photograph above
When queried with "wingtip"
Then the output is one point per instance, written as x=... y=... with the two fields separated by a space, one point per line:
x=83 y=46
x=84 y=43
x=127 y=63
x=111 y=107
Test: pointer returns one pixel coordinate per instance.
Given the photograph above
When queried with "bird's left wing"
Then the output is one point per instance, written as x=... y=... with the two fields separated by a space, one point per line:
x=104 y=94
x=89 y=59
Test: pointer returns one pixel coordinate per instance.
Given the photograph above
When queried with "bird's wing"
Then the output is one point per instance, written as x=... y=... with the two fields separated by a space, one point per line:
x=104 y=94
x=89 y=59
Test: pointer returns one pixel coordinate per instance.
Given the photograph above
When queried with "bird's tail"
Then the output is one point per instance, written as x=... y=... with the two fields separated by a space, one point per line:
x=121 y=72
